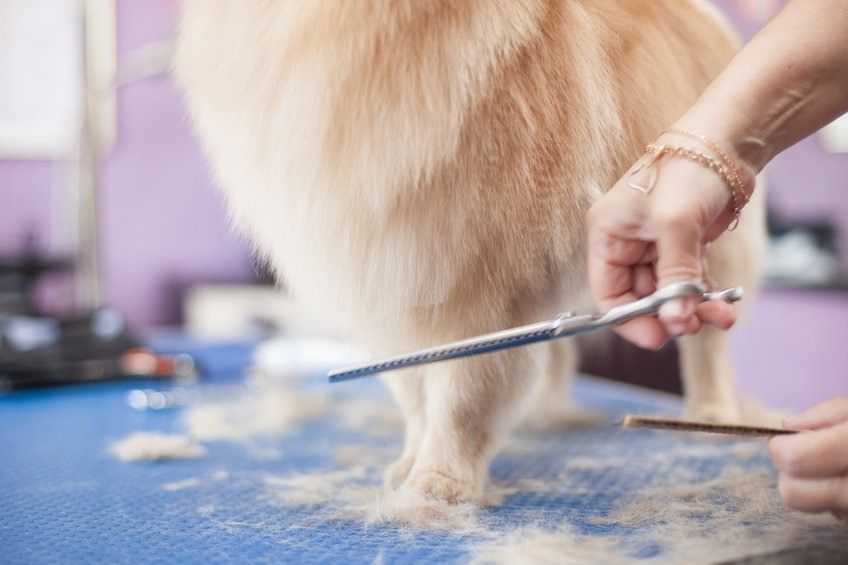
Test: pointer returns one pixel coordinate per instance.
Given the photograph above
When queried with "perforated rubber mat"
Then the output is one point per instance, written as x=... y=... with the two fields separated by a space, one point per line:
x=65 y=499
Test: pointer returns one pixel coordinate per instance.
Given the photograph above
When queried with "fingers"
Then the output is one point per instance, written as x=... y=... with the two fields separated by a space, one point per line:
x=619 y=264
x=643 y=280
x=679 y=248
x=686 y=202
x=815 y=495
x=828 y=413
x=690 y=327
x=647 y=333
x=613 y=247
x=717 y=313
x=629 y=230
x=813 y=465
x=812 y=455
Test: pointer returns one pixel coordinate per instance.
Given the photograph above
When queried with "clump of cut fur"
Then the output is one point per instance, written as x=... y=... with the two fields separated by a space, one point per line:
x=535 y=545
x=181 y=485
x=264 y=412
x=152 y=446
x=734 y=515
x=349 y=495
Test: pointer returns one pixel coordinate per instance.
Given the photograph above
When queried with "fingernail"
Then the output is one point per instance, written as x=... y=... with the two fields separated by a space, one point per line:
x=653 y=345
x=790 y=422
x=674 y=329
x=671 y=309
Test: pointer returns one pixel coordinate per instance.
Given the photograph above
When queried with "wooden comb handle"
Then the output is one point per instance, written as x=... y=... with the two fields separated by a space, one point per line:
x=631 y=421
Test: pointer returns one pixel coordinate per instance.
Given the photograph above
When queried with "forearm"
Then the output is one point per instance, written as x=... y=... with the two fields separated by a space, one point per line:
x=785 y=84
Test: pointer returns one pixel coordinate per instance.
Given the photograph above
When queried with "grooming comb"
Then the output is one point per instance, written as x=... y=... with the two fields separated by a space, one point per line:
x=563 y=325
x=631 y=421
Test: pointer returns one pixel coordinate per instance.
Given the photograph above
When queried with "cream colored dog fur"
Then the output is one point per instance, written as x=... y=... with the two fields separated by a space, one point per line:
x=418 y=171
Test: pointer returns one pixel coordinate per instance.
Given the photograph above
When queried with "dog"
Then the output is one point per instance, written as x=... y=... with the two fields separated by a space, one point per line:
x=418 y=171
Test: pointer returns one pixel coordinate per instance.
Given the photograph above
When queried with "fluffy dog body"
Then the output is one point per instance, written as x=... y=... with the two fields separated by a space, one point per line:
x=418 y=171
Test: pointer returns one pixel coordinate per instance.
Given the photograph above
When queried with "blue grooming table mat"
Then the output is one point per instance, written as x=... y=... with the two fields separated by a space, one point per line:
x=64 y=498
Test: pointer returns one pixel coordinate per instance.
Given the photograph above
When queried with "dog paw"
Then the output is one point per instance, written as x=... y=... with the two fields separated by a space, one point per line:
x=397 y=472
x=435 y=485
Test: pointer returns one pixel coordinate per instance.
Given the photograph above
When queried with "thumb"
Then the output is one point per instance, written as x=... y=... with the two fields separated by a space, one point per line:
x=679 y=259
x=826 y=414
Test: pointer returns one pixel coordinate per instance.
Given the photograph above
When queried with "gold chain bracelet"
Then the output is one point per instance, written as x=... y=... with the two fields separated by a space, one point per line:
x=736 y=175
x=715 y=165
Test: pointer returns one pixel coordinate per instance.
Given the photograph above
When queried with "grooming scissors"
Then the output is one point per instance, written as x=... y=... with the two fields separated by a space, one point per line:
x=563 y=325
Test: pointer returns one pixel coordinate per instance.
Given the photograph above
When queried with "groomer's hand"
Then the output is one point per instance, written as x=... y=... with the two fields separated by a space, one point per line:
x=639 y=242
x=813 y=465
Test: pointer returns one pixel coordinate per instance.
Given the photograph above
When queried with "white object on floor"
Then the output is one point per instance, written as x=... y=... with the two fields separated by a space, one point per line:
x=180 y=485
x=224 y=311
x=260 y=412
x=288 y=358
x=152 y=446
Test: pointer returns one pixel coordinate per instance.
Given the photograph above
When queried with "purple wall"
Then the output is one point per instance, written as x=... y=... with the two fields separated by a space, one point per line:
x=792 y=350
x=162 y=225
x=24 y=199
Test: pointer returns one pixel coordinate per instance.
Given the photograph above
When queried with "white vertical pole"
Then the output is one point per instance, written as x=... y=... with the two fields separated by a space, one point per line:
x=97 y=135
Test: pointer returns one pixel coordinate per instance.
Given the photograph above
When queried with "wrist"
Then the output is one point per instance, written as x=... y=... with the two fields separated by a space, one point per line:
x=730 y=128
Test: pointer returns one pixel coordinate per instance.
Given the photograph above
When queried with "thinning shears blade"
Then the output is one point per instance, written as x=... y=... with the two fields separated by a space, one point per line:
x=563 y=325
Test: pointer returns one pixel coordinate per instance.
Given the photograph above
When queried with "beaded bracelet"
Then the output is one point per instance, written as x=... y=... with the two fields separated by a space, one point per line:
x=736 y=176
x=659 y=151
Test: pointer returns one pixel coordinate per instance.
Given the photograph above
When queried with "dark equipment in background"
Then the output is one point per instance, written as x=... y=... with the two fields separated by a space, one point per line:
x=40 y=349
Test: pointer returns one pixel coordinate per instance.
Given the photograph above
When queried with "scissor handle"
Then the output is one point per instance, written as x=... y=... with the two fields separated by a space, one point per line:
x=651 y=304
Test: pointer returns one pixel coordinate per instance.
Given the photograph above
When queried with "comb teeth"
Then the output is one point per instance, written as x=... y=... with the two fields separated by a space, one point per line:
x=631 y=421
